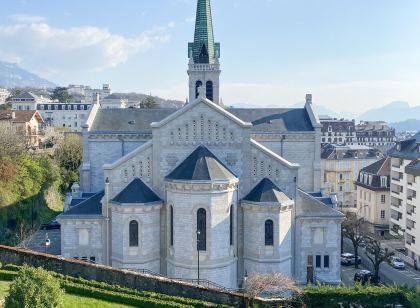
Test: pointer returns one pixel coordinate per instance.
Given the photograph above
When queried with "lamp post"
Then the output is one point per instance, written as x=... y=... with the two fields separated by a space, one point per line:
x=245 y=280
x=198 y=256
x=47 y=242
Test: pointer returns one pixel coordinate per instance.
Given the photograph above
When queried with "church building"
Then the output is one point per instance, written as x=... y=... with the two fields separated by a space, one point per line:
x=204 y=192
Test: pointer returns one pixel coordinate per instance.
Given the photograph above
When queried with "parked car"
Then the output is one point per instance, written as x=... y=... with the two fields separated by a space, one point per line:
x=364 y=276
x=396 y=262
x=350 y=259
x=52 y=225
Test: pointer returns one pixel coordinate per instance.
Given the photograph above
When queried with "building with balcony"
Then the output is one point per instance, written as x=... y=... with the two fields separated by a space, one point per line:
x=340 y=165
x=337 y=131
x=373 y=196
x=375 y=134
x=405 y=188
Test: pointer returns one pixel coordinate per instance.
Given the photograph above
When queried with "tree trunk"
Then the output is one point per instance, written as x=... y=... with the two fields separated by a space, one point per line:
x=356 y=255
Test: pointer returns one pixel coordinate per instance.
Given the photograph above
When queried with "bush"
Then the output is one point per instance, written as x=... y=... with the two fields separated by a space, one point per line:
x=34 y=288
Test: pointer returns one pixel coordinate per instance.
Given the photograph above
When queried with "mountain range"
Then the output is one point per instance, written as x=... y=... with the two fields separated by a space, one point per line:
x=13 y=76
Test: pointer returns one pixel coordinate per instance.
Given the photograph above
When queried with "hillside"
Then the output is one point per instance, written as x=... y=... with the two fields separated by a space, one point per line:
x=13 y=76
x=407 y=125
x=393 y=112
x=163 y=103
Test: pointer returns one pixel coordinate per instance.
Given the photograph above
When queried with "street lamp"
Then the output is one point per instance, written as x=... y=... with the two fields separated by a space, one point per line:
x=245 y=279
x=47 y=242
x=198 y=256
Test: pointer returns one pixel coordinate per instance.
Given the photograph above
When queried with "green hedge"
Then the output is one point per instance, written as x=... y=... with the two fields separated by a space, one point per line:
x=367 y=296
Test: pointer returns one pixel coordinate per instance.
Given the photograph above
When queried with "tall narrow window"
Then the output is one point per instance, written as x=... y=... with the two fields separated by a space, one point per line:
x=209 y=90
x=269 y=233
x=201 y=230
x=134 y=233
x=318 y=261
x=172 y=225
x=326 y=261
x=231 y=224
x=197 y=85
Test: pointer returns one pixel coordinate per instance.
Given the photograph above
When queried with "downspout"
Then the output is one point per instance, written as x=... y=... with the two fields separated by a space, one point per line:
x=283 y=137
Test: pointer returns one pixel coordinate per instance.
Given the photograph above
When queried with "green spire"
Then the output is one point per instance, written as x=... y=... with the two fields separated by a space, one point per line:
x=203 y=49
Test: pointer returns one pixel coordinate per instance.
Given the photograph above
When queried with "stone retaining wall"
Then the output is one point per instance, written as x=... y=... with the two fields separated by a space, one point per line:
x=124 y=278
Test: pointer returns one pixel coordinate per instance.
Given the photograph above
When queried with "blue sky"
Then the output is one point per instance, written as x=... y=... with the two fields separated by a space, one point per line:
x=350 y=54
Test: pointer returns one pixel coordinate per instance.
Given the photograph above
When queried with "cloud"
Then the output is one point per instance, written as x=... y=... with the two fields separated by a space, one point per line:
x=31 y=41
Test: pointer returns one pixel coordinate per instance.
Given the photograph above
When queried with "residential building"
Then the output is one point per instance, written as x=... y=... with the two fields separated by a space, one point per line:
x=340 y=165
x=24 y=122
x=337 y=131
x=27 y=101
x=4 y=94
x=231 y=188
x=373 y=196
x=405 y=189
x=91 y=94
x=375 y=134
x=114 y=101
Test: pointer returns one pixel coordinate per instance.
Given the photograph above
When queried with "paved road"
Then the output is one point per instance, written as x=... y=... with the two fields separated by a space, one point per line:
x=387 y=273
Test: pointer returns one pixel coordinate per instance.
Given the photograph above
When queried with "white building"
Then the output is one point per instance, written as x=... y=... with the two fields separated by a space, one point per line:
x=91 y=94
x=27 y=101
x=405 y=189
x=4 y=94
x=114 y=101
x=164 y=188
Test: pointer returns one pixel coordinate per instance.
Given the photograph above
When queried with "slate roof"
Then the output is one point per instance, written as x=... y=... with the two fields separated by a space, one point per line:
x=264 y=119
x=413 y=168
x=309 y=206
x=26 y=95
x=266 y=191
x=376 y=170
x=136 y=192
x=408 y=149
x=201 y=165
x=381 y=167
x=89 y=207
x=333 y=151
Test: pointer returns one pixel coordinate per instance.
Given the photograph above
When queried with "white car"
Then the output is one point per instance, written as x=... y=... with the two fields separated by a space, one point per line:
x=396 y=262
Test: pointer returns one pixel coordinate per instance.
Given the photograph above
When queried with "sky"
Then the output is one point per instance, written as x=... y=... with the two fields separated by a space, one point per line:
x=352 y=55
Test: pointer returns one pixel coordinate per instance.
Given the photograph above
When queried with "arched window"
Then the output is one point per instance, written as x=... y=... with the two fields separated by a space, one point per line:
x=172 y=225
x=269 y=233
x=209 y=90
x=198 y=84
x=201 y=230
x=231 y=224
x=134 y=233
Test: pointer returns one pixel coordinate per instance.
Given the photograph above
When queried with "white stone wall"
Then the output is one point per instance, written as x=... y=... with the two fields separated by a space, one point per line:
x=218 y=263
x=318 y=236
x=71 y=245
x=259 y=258
x=147 y=254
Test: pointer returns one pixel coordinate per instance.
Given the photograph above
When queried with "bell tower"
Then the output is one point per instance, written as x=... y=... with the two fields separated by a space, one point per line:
x=204 y=67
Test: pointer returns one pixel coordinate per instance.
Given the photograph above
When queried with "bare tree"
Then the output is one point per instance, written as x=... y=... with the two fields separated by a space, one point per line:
x=353 y=229
x=376 y=255
x=272 y=285
x=11 y=143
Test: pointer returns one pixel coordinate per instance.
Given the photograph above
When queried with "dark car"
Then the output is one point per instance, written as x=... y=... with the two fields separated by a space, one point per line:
x=52 y=225
x=364 y=276
x=350 y=259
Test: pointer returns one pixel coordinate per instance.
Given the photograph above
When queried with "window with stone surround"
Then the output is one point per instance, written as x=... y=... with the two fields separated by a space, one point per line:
x=269 y=233
x=326 y=261
x=134 y=233
x=318 y=261
x=201 y=230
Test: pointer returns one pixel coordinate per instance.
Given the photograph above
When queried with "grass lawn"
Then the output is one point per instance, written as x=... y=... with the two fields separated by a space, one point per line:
x=4 y=288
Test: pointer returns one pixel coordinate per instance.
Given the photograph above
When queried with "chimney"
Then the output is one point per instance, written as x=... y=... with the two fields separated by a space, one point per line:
x=97 y=99
x=309 y=98
x=333 y=197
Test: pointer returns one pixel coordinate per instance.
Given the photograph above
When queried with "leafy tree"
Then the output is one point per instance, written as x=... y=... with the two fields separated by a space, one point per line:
x=7 y=106
x=34 y=288
x=149 y=102
x=61 y=94
x=376 y=255
x=69 y=154
x=353 y=229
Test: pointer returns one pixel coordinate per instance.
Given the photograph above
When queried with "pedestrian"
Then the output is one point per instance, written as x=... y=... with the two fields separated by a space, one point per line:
x=415 y=265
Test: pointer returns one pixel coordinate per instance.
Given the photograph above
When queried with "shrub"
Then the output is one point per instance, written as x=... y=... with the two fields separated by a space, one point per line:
x=34 y=288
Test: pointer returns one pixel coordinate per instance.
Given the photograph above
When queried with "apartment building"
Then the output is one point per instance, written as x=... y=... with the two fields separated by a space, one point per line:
x=337 y=131
x=405 y=188
x=340 y=166
x=373 y=196
x=375 y=134
x=4 y=94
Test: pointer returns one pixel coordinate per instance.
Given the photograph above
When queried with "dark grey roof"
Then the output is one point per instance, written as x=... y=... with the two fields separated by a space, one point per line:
x=381 y=167
x=128 y=120
x=136 y=192
x=309 y=206
x=413 y=168
x=201 y=165
x=334 y=151
x=264 y=119
x=275 y=119
x=26 y=95
x=90 y=206
x=338 y=125
x=408 y=149
x=266 y=191
x=76 y=201
x=376 y=170
x=87 y=195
